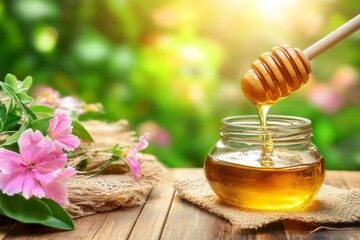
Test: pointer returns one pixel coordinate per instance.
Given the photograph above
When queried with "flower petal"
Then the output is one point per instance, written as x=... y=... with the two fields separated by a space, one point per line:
x=52 y=125
x=57 y=192
x=131 y=158
x=66 y=173
x=9 y=161
x=43 y=178
x=60 y=130
x=134 y=164
x=33 y=146
x=59 y=125
x=70 y=105
x=31 y=187
x=52 y=161
x=143 y=143
x=70 y=141
x=132 y=154
x=47 y=96
x=11 y=184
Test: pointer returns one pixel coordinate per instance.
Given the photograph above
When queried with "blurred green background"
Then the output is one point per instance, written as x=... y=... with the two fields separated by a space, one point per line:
x=173 y=68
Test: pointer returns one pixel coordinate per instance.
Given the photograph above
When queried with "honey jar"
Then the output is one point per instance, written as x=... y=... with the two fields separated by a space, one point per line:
x=276 y=167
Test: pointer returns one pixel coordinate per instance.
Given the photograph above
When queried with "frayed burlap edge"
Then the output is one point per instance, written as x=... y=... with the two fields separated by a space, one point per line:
x=89 y=195
x=105 y=192
x=331 y=205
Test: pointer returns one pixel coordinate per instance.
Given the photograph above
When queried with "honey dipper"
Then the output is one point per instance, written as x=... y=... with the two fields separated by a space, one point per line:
x=277 y=74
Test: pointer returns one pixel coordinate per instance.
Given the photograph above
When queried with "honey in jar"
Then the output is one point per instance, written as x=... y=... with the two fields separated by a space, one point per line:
x=270 y=168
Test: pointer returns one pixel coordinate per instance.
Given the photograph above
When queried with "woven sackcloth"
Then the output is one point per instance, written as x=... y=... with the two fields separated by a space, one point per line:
x=331 y=205
x=115 y=186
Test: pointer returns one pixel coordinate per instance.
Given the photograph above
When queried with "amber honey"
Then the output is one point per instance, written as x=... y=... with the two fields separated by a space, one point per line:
x=257 y=187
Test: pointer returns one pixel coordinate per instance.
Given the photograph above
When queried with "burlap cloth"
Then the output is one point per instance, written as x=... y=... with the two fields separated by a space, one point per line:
x=113 y=188
x=331 y=205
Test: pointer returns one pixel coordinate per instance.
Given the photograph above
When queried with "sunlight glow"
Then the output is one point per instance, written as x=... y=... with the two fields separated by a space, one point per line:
x=276 y=8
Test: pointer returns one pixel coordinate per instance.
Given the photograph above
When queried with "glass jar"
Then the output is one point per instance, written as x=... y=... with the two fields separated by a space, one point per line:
x=292 y=174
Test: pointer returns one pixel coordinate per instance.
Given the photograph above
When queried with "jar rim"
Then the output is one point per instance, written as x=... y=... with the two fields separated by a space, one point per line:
x=273 y=122
x=280 y=128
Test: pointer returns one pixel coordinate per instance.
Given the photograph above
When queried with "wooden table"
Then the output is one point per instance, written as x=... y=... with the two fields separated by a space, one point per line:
x=166 y=216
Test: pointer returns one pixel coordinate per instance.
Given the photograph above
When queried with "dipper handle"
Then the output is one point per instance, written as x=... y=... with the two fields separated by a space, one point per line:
x=333 y=38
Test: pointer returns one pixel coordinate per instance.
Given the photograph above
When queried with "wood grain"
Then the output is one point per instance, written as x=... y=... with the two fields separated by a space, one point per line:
x=150 y=223
x=5 y=230
x=85 y=229
x=185 y=221
x=126 y=217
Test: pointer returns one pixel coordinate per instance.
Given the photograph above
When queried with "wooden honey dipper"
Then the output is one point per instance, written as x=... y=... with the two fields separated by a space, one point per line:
x=277 y=74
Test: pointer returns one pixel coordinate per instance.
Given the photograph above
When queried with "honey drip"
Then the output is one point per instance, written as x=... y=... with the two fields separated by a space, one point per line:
x=268 y=145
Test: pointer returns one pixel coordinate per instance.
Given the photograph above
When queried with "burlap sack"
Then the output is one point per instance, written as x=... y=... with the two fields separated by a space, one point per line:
x=114 y=187
x=331 y=205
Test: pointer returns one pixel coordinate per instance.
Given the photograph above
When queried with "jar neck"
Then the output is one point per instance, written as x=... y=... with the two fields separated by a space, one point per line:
x=283 y=130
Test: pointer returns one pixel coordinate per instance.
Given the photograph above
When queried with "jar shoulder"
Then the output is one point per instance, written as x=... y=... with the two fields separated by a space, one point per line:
x=282 y=154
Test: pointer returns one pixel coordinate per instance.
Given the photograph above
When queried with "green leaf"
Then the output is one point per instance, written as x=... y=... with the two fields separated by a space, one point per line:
x=26 y=83
x=8 y=90
x=81 y=132
x=3 y=116
x=26 y=211
x=12 y=139
x=60 y=218
x=12 y=121
x=15 y=137
x=1 y=125
x=13 y=147
x=34 y=210
x=41 y=124
x=11 y=80
x=115 y=150
x=9 y=104
x=20 y=98
x=3 y=111
x=23 y=97
x=81 y=166
x=42 y=109
x=109 y=162
x=27 y=110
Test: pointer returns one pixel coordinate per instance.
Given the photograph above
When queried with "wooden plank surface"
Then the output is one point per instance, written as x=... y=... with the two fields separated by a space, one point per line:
x=165 y=216
x=185 y=221
x=150 y=223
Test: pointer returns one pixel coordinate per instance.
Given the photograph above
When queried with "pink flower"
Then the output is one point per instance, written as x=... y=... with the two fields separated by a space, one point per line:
x=158 y=135
x=48 y=97
x=70 y=104
x=324 y=97
x=132 y=159
x=55 y=190
x=331 y=96
x=60 y=131
x=37 y=167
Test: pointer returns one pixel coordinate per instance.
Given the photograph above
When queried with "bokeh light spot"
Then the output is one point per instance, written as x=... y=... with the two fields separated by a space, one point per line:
x=45 y=39
x=91 y=48
x=35 y=9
